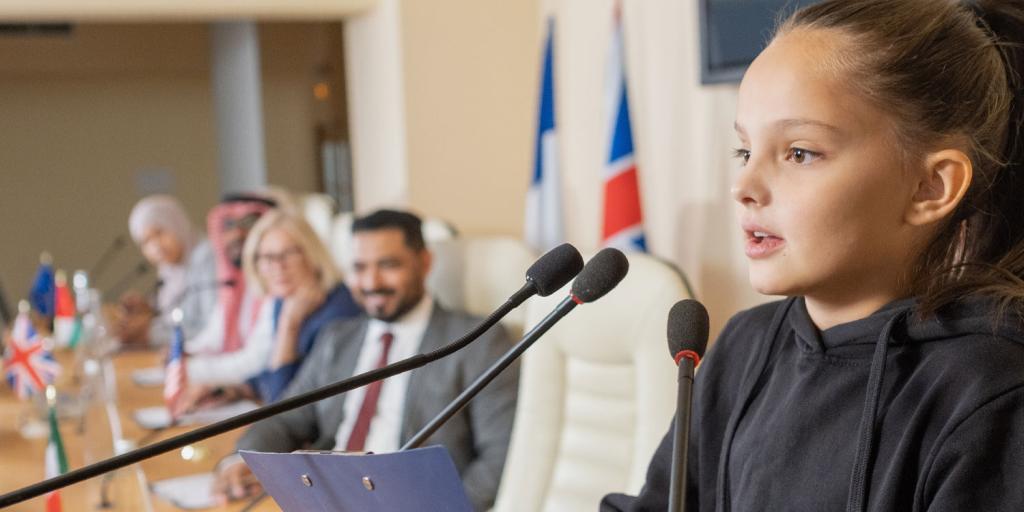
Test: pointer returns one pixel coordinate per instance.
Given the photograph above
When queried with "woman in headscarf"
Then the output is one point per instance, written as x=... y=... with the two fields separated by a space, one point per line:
x=185 y=270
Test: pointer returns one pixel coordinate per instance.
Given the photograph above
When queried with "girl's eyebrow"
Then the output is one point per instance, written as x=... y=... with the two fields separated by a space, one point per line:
x=796 y=123
x=793 y=123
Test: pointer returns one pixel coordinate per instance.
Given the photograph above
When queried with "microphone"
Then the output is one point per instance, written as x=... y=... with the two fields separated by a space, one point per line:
x=201 y=287
x=136 y=272
x=115 y=247
x=549 y=273
x=687 y=339
x=602 y=273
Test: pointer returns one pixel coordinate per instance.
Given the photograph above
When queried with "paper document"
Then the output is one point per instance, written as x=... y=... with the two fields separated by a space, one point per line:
x=149 y=377
x=190 y=492
x=159 y=417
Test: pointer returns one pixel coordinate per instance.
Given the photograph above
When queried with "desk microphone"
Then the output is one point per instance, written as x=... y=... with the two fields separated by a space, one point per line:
x=603 y=272
x=687 y=339
x=112 y=250
x=139 y=270
x=547 y=274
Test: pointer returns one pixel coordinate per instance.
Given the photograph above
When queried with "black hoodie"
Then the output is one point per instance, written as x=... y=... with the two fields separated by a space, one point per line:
x=885 y=413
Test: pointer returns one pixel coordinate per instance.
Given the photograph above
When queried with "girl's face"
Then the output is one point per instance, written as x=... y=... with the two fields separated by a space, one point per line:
x=282 y=265
x=822 y=191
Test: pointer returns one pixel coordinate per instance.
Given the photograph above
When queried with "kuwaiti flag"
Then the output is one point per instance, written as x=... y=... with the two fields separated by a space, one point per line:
x=27 y=363
x=64 y=311
x=623 y=216
x=544 y=225
x=175 y=379
x=56 y=461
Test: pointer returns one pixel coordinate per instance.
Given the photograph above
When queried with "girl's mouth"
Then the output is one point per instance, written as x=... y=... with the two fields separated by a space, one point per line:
x=761 y=244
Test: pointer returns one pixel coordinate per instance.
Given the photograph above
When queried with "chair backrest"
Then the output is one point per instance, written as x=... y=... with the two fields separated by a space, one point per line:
x=319 y=212
x=436 y=232
x=596 y=395
x=477 y=274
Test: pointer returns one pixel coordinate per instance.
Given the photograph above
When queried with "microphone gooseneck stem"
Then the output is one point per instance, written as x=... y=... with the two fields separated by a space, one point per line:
x=101 y=264
x=681 y=437
x=484 y=379
x=199 y=434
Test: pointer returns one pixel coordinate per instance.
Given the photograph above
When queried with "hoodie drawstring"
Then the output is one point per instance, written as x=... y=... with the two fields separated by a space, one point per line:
x=857 y=500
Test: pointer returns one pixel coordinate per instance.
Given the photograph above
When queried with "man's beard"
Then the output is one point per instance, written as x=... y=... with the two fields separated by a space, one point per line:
x=404 y=306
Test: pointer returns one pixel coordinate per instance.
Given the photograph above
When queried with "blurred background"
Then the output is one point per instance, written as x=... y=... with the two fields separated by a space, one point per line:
x=425 y=105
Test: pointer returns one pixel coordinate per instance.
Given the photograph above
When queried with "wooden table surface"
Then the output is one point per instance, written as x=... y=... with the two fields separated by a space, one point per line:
x=22 y=460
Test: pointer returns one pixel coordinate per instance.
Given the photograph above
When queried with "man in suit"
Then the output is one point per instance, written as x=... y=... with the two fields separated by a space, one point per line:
x=390 y=265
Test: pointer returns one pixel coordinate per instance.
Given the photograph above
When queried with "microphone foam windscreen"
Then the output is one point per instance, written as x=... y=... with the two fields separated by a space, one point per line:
x=555 y=268
x=687 y=327
x=600 y=275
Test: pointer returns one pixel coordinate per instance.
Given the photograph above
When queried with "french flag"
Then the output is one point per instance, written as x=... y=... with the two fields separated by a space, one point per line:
x=623 y=215
x=544 y=226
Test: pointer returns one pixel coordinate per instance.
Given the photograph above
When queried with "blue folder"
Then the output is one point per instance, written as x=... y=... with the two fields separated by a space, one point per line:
x=413 y=480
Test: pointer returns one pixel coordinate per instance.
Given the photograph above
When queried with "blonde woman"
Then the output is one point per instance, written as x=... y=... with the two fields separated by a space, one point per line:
x=284 y=260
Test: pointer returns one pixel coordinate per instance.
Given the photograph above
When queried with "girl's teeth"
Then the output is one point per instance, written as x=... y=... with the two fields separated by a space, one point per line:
x=760 y=234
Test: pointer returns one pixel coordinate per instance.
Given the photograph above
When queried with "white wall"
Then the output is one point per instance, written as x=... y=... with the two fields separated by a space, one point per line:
x=470 y=149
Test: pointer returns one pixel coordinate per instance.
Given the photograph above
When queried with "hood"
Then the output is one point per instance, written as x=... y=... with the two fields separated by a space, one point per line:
x=974 y=316
x=896 y=323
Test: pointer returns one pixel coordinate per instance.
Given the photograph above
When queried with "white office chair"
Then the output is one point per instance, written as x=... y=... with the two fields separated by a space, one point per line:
x=435 y=233
x=596 y=395
x=319 y=212
x=477 y=274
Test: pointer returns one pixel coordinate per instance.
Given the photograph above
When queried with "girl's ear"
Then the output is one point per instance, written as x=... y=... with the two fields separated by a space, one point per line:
x=946 y=177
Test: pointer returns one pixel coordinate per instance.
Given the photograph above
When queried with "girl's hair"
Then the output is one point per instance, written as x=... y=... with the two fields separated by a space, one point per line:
x=947 y=71
x=302 y=233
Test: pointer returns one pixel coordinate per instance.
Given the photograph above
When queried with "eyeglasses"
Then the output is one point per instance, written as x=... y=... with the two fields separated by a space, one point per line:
x=285 y=257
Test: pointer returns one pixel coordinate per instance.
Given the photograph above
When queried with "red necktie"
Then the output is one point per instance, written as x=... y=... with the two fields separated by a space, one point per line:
x=357 y=439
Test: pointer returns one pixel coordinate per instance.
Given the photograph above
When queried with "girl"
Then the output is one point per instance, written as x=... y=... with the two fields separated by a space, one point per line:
x=880 y=189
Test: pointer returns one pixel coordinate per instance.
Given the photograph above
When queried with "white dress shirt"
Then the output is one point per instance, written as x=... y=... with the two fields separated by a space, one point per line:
x=208 y=364
x=386 y=426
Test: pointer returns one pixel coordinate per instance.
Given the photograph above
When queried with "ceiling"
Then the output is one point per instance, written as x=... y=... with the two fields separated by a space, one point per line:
x=176 y=10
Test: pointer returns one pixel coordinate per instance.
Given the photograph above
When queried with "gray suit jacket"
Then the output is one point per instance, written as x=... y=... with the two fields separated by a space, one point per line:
x=477 y=437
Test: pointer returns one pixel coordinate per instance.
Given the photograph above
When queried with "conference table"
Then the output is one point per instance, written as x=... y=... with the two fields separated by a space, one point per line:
x=22 y=461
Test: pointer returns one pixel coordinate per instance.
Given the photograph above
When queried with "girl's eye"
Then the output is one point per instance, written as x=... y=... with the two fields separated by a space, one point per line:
x=742 y=154
x=802 y=156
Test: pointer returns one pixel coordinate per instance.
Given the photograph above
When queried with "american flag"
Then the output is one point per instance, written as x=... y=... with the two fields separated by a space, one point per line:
x=29 y=366
x=176 y=379
x=623 y=215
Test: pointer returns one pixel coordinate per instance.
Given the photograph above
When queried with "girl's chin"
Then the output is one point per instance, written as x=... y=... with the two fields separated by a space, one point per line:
x=766 y=286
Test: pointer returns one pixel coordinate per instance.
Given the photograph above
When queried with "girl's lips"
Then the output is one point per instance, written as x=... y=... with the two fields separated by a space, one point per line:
x=761 y=244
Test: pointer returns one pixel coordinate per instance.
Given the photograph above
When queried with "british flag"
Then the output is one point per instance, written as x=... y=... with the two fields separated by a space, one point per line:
x=28 y=364
x=176 y=379
x=623 y=215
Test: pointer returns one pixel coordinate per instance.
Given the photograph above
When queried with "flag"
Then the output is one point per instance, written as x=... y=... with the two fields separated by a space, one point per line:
x=544 y=225
x=63 y=311
x=56 y=460
x=176 y=379
x=623 y=216
x=42 y=293
x=27 y=363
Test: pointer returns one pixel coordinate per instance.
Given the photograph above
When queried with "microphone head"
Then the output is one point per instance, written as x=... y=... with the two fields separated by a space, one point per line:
x=600 y=275
x=687 y=328
x=555 y=268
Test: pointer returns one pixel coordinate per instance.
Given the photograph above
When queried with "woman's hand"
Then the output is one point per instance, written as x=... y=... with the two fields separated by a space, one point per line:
x=132 y=319
x=197 y=397
x=234 y=482
x=300 y=305
x=296 y=308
